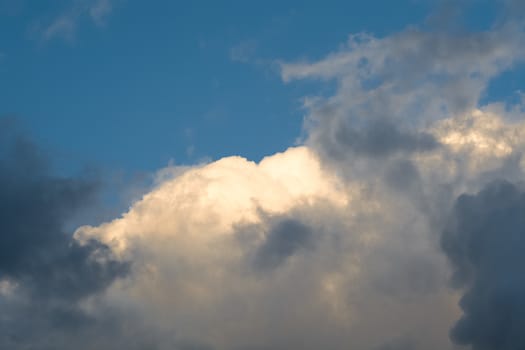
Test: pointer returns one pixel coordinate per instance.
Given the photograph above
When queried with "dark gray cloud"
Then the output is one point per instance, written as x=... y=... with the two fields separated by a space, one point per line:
x=285 y=238
x=49 y=270
x=401 y=343
x=403 y=274
x=403 y=175
x=381 y=138
x=485 y=241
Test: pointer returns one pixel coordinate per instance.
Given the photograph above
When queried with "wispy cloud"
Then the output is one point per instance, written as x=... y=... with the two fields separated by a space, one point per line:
x=100 y=10
x=63 y=26
x=244 y=51
x=66 y=23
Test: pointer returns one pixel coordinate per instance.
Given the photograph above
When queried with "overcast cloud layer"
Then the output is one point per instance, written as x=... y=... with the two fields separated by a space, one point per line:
x=397 y=224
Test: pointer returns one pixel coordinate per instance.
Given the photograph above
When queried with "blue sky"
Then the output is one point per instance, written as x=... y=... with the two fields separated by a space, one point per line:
x=149 y=83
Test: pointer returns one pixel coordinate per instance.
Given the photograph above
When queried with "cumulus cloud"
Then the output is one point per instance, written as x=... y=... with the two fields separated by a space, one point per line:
x=280 y=254
x=364 y=237
x=285 y=253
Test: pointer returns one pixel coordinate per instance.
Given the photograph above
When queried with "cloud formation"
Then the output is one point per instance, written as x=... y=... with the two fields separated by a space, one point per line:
x=401 y=83
x=435 y=142
x=285 y=253
x=225 y=252
x=396 y=225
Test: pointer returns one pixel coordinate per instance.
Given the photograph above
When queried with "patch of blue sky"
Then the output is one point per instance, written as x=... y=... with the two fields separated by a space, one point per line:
x=165 y=80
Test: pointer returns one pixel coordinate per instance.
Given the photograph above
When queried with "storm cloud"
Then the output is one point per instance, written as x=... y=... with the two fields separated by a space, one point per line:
x=43 y=269
x=484 y=241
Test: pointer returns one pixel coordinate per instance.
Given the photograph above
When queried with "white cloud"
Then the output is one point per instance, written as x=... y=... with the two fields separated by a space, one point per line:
x=372 y=262
x=224 y=193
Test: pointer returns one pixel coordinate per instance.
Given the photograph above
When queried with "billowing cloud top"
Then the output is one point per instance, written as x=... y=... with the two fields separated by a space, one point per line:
x=210 y=200
x=397 y=224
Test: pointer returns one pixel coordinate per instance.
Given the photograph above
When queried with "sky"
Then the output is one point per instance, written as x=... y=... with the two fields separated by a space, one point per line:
x=274 y=175
x=172 y=81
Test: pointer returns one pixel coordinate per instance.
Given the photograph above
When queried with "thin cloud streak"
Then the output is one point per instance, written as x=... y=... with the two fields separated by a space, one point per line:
x=65 y=25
